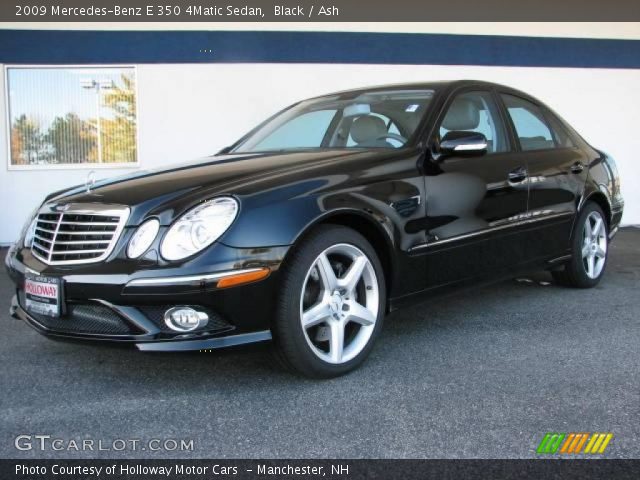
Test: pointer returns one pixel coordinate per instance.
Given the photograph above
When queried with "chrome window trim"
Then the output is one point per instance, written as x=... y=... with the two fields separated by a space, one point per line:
x=120 y=211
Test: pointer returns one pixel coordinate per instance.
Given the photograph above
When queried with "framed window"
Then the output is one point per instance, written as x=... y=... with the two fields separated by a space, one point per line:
x=476 y=112
x=531 y=127
x=71 y=117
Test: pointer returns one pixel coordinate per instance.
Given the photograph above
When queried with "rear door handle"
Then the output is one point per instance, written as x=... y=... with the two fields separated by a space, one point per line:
x=518 y=175
x=577 y=167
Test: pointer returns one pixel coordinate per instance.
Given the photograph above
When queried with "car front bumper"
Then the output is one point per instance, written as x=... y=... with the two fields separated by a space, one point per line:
x=148 y=342
x=110 y=303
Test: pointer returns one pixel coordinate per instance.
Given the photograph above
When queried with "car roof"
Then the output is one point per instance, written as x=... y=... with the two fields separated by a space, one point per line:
x=441 y=85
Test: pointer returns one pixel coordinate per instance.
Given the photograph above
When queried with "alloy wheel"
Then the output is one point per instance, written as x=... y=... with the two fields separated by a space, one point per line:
x=594 y=244
x=339 y=303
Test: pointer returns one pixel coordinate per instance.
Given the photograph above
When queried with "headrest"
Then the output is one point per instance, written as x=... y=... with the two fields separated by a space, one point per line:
x=463 y=114
x=367 y=129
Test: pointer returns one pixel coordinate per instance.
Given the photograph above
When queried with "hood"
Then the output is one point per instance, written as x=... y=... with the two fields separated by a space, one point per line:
x=174 y=187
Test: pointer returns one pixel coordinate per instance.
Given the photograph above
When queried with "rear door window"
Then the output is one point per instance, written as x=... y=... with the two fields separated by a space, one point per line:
x=532 y=129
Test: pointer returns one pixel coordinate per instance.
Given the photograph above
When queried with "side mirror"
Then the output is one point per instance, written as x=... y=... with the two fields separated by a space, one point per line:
x=464 y=144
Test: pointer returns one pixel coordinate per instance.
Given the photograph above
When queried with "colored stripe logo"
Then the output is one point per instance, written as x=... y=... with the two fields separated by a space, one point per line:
x=574 y=443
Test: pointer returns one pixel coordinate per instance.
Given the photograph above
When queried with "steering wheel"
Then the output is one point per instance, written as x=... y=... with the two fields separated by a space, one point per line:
x=393 y=136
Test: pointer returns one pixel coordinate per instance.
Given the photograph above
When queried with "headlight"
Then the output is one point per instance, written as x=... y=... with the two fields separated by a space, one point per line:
x=143 y=238
x=29 y=233
x=199 y=228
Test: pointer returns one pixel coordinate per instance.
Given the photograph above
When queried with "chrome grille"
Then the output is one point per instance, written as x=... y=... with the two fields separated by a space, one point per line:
x=77 y=233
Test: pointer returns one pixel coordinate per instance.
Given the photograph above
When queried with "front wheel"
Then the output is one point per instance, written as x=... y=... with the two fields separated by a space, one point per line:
x=332 y=303
x=589 y=248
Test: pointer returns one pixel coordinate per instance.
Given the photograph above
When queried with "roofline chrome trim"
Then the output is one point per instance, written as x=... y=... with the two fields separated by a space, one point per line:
x=169 y=281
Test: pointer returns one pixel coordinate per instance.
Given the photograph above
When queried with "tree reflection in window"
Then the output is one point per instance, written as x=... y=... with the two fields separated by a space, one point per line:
x=71 y=116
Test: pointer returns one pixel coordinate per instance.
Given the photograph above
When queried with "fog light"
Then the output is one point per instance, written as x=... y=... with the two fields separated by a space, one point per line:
x=185 y=319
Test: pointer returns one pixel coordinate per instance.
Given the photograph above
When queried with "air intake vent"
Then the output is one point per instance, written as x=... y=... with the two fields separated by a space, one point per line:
x=80 y=233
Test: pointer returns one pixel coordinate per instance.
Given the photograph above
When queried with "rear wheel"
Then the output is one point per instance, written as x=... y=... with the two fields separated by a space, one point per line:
x=332 y=303
x=590 y=245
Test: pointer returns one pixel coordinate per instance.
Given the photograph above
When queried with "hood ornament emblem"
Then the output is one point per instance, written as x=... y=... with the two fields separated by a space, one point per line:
x=91 y=181
x=60 y=208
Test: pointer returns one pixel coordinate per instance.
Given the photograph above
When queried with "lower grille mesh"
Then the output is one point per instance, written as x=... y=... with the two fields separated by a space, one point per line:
x=86 y=318
x=94 y=318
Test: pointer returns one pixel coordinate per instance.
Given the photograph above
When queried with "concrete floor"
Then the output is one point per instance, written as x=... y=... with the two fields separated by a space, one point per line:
x=482 y=374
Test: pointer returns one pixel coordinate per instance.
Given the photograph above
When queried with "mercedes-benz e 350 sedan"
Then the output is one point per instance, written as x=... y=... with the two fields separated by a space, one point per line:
x=318 y=222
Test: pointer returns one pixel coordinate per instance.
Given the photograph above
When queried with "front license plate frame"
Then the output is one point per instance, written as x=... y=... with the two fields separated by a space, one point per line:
x=43 y=295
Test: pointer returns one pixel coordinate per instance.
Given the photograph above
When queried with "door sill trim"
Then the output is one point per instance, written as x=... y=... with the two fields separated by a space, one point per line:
x=527 y=221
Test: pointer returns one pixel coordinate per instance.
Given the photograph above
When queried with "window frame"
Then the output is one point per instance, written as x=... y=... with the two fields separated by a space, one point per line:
x=79 y=166
x=414 y=140
x=544 y=111
x=511 y=146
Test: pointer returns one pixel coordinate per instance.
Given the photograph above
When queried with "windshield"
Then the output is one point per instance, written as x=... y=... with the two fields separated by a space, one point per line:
x=376 y=119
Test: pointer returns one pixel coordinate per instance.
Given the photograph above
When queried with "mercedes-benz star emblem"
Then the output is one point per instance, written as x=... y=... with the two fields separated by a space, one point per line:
x=91 y=180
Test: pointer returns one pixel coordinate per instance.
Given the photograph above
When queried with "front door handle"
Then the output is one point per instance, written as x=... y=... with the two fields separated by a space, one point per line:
x=518 y=175
x=577 y=167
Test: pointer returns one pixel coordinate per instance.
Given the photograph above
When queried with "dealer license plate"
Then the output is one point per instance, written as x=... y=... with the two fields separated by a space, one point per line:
x=42 y=295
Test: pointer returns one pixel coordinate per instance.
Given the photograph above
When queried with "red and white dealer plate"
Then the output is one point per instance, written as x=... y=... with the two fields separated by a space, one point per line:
x=42 y=295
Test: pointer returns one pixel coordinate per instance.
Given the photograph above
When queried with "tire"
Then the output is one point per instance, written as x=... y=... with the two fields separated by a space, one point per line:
x=589 y=250
x=346 y=302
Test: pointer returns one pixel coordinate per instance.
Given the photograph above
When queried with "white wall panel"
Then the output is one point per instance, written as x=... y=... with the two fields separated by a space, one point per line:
x=188 y=111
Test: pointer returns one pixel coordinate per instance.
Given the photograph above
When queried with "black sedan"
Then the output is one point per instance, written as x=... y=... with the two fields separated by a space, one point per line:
x=318 y=222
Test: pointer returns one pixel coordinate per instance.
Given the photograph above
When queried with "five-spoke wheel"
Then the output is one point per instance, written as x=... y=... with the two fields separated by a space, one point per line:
x=332 y=303
x=594 y=244
x=339 y=303
x=589 y=243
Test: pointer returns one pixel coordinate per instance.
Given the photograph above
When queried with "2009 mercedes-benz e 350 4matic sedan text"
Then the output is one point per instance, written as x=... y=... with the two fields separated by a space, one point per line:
x=313 y=226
